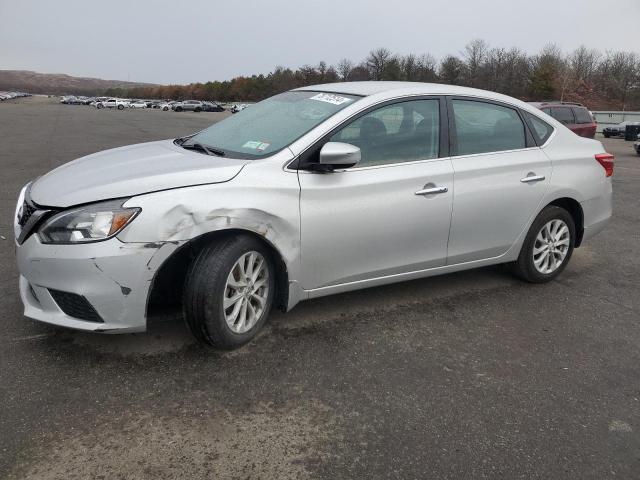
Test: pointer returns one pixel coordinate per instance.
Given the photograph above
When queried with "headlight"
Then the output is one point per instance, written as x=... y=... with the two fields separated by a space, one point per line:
x=87 y=224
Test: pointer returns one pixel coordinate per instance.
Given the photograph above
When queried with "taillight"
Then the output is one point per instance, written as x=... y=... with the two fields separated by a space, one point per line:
x=606 y=160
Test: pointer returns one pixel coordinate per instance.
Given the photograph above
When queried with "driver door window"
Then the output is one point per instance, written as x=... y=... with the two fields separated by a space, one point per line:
x=401 y=132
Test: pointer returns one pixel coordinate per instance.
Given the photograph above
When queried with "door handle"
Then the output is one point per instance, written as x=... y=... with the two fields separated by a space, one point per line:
x=430 y=189
x=532 y=178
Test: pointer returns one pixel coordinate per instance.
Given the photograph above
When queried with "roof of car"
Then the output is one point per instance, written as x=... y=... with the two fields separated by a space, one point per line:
x=553 y=103
x=374 y=87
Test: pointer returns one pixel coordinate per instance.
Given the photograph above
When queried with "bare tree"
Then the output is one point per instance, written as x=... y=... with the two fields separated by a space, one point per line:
x=377 y=62
x=344 y=68
x=409 y=66
x=322 y=71
x=619 y=76
x=451 y=70
x=426 y=68
x=584 y=63
x=475 y=54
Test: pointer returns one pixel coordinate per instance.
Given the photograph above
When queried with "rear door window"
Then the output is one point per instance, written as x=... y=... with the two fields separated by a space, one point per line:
x=486 y=127
x=563 y=115
x=582 y=115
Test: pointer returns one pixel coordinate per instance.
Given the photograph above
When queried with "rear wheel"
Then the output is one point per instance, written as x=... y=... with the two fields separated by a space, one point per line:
x=197 y=109
x=229 y=292
x=606 y=135
x=120 y=107
x=547 y=247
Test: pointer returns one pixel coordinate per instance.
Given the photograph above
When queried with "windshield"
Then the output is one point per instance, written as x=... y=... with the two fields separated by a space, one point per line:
x=269 y=126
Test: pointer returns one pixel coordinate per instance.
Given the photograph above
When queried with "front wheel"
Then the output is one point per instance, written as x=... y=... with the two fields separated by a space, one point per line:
x=547 y=247
x=229 y=292
x=120 y=107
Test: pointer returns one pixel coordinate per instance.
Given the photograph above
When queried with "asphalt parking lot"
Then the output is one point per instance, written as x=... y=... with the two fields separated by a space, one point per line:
x=468 y=375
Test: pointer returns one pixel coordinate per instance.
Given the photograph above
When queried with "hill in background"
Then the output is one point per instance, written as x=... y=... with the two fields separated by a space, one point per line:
x=58 y=83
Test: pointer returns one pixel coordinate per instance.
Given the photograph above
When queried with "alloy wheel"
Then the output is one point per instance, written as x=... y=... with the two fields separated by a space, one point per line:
x=551 y=246
x=246 y=292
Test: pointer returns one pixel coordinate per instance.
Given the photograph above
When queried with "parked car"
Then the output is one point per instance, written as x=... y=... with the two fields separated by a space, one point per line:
x=618 y=130
x=212 y=107
x=113 y=103
x=166 y=106
x=238 y=107
x=574 y=116
x=188 y=106
x=316 y=191
x=138 y=104
x=70 y=100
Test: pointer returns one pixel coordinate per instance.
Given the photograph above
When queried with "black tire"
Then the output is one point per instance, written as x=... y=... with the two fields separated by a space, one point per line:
x=120 y=107
x=524 y=266
x=205 y=289
x=178 y=109
x=606 y=135
x=100 y=105
x=197 y=109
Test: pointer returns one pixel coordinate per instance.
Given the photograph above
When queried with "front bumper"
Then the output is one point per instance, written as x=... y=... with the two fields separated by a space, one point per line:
x=114 y=277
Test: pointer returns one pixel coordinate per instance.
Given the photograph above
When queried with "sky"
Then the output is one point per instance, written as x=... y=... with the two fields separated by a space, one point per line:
x=184 y=41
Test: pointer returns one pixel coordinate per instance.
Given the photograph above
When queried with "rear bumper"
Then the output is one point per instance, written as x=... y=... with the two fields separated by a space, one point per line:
x=114 y=277
x=597 y=213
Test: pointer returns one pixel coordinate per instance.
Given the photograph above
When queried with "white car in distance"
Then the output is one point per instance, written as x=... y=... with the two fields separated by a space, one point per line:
x=113 y=103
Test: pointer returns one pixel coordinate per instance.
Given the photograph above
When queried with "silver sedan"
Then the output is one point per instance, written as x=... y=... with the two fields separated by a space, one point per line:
x=316 y=191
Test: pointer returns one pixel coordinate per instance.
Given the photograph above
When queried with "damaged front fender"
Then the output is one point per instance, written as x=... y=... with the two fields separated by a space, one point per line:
x=247 y=203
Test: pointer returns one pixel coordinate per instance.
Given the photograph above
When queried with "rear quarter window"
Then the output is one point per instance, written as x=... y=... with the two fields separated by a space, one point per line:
x=540 y=129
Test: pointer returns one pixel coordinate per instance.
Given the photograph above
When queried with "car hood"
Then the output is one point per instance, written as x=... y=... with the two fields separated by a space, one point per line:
x=129 y=171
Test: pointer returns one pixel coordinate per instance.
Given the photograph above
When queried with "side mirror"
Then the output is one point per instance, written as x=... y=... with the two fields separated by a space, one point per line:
x=338 y=155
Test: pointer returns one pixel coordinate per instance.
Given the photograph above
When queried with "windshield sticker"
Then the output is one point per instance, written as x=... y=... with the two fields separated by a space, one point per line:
x=330 y=98
x=256 y=145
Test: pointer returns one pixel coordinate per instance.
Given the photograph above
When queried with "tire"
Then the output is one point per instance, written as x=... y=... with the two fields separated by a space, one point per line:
x=120 y=107
x=197 y=109
x=207 y=287
x=178 y=109
x=606 y=135
x=99 y=106
x=525 y=267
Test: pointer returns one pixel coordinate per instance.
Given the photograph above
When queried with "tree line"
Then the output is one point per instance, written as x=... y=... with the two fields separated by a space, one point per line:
x=609 y=80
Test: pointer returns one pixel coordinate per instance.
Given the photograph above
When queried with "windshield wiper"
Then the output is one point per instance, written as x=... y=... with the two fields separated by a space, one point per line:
x=204 y=148
x=181 y=140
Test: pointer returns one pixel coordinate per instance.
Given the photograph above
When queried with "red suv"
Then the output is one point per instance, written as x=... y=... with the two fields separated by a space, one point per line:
x=574 y=115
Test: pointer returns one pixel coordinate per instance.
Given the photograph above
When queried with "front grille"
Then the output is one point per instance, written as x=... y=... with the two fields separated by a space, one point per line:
x=29 y=217
x=75 y=306
x=25 y=213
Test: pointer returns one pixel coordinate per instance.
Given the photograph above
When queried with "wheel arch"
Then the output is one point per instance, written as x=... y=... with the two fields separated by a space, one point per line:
x=574 y=208
x=173 y=271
